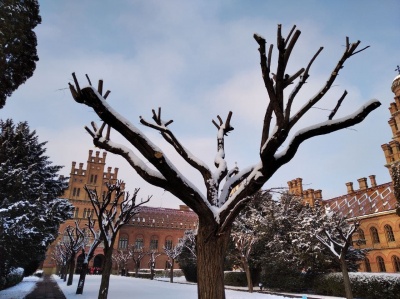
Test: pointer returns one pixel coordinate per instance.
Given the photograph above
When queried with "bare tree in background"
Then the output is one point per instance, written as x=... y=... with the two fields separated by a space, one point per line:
x=95 y=240
x=113 y=209
x=172 y=254
x=227 y=190
x=121 y=258
x=137 y=255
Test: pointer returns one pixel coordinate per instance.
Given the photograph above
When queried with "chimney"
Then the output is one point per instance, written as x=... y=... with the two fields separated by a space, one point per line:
x=372 y=180
x=349 y=187
x=363 y=183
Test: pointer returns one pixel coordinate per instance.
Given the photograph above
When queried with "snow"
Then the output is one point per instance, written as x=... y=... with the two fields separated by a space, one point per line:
x=123 y=287
x=20 y=290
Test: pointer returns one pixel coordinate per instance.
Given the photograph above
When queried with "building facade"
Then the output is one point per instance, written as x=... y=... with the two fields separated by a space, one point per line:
x=155 y=227
x=372 y=204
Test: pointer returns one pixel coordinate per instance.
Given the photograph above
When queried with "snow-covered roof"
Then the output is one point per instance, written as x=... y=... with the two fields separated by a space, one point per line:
x=396 y=82
x=364 y=202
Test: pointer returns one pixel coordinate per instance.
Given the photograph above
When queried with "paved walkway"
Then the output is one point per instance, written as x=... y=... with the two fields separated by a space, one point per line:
x=47 y=288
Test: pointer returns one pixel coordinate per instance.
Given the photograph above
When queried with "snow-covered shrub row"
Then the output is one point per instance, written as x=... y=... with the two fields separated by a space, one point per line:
x=364 y=285
x=234 y=278
x=14 y=277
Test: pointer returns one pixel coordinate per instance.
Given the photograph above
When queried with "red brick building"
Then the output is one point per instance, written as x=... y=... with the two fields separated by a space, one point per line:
x=374 y=205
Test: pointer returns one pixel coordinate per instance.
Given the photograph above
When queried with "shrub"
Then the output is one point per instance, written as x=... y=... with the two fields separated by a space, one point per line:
x=237 y=279
x=190 y=272
x=16 y=275
x=363 y=285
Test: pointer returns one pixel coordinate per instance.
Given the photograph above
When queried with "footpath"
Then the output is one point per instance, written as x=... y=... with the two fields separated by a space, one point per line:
x=46 y=288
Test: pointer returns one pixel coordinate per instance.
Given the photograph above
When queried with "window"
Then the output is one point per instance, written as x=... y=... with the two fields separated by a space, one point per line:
x=374 y=235
x=367 y=265
x=168 y=243
x=78 y=190
x=74 y=192
x=361 y=237
x=139 y=242
x=381 y=264
x=123 y=242
x=396 y=263
x=389 y=233
x=76 y=212
x=84 y=213
x=154 y=243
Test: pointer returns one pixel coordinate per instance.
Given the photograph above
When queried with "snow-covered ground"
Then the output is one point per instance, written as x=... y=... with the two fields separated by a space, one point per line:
x=20 y=290
x=125 y=287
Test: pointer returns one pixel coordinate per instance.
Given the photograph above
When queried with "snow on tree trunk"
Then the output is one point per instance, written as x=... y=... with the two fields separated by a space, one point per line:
x=210 y=262
x=82 y=277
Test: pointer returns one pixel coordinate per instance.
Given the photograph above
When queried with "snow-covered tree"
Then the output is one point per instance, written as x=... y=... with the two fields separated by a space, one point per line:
x=94 y=241
x=121 y=259
x=74 y=239
x=153 y=254
x=137 y=255
x=60 y=256
x=188 y=259
x=18 y=43
x=337 y=237
x=227 y=191
x=113 y=209
x=30 y=210
x=172 y=254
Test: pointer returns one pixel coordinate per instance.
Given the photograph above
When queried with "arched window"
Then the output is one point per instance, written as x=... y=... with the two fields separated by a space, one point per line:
x=123 y=242
x=389 y=233
x=76 y=212
x=381 y=264
x=168 y=242
x=396 y=263
x=361 y=237
x=154 y=243
x=139 y=242
x=374 y=235
x=367 y=265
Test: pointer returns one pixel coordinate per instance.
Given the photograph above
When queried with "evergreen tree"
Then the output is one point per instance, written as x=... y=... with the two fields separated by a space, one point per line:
x=30 y=210
x=18 y=43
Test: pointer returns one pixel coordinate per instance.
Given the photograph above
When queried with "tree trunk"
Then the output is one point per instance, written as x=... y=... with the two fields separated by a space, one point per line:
x=211 y=251
x=171 y=273
x=346 y=278
x=137 y=269
x=248 y=274
x=71 y=269
x=82 y=277
x=105 y=277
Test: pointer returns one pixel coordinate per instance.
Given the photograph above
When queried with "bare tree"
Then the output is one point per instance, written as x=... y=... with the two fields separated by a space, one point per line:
x=172 y=253
x=88 y=254
x=338 y=239
x=114 y=209
x=152 y=262
x=137 y=255
x=60 y=256
x=227 y=190
x=121 y=258
x=75 y=240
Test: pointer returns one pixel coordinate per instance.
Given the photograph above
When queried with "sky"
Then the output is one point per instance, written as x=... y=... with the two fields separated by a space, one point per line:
x=198 y=59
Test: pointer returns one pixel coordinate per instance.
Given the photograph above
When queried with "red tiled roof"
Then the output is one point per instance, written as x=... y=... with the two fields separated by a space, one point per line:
x=364 y=202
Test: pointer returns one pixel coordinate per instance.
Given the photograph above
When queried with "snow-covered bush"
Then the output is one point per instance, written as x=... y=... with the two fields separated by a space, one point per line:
x=364 y=285
x=14 y=277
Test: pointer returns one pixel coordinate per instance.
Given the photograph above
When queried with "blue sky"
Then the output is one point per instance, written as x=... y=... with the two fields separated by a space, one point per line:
x=197 y=60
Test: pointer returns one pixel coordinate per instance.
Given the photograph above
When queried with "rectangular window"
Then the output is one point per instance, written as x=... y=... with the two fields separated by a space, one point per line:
x=123 y=243
x=78 y=191
x=74 y=192
x=76 y=212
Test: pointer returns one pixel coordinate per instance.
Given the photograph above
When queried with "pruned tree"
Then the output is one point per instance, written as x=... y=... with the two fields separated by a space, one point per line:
x=60 y=257
x=227 y=190
x=74 y=240
x=95 y=240
x=152 y=262
x=121 y=258
x=173 y=253
x=338 y=239
x=113 y=209
x=137 y=255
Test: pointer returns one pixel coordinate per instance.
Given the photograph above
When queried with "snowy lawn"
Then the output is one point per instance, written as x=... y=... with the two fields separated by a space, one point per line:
x=129 y=287
x=20 y=290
